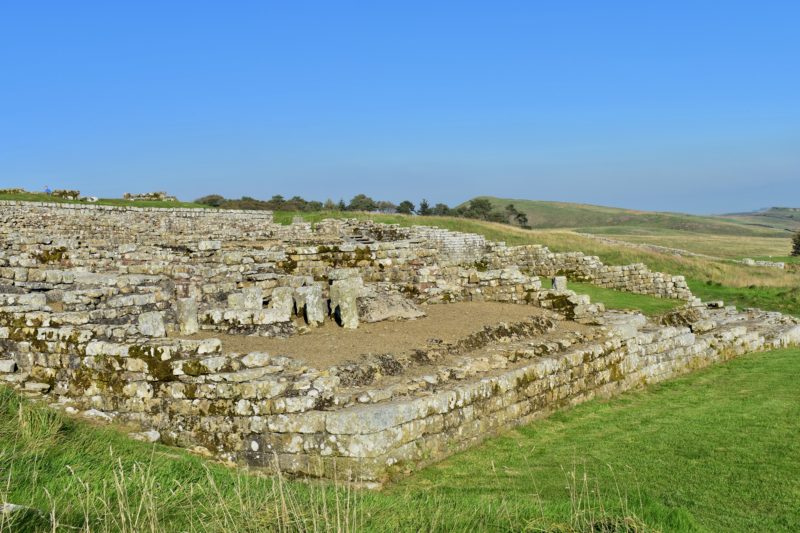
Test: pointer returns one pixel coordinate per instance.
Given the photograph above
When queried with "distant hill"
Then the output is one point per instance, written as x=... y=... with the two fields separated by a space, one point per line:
x=782 y=218
x=612 y=220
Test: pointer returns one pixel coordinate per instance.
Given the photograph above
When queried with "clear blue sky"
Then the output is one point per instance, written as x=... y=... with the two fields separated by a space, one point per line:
x=691 y=106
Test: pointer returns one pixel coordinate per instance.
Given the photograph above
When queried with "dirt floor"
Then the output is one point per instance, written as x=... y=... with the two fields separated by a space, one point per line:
x=330 y=344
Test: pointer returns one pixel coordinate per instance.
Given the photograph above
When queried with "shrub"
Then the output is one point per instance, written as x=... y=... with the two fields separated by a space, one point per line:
x=796 y=244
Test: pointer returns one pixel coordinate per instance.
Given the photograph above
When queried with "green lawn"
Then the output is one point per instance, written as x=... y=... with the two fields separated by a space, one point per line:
x=613 y=299
x=783 y=299
x=714 y=451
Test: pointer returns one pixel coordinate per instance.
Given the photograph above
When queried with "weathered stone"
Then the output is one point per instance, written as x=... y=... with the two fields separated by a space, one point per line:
x=7 y=366
x=282 y=301
x=146 y=436
x=209 y=245
x=152 y=324
x=344 y=294
x=309 y=301
x=559 y=283
x=387 y=306
x=187 y=316
x=252 y=298
x=256 y=359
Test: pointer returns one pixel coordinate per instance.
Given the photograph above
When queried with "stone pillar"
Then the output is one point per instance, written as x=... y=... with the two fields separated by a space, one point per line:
x=309 y=299
x=282 y=301
x=344 y=293
x=187 y=316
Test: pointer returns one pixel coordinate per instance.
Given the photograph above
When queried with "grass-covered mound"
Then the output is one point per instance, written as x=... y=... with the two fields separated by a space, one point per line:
x=714 y=451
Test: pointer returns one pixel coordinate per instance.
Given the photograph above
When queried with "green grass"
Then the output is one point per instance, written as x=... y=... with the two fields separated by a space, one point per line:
x=714 y=451
x=41 y=197
x=783 y=299
x=783 y=218
x=544 y=215
x=613 y=299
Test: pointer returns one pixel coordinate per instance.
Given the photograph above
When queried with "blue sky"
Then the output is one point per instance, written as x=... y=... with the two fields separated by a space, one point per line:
x=689 y=106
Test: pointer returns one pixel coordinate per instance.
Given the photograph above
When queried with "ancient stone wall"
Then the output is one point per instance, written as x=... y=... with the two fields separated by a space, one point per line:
x=98 y=305
x=580 y=267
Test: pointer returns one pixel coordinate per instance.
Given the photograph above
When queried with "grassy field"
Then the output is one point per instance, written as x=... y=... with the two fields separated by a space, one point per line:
x=776 y=217
x=714 y=451
x=649 y=305
x=544 y=215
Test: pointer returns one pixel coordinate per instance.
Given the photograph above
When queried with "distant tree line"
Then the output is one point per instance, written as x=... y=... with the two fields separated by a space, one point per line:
x=479 y=208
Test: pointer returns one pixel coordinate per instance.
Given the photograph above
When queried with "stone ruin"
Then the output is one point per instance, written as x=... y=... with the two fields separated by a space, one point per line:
x=160 y=196
x=129 y=314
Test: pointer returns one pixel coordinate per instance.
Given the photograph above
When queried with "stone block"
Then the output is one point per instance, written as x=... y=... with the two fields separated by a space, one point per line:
x=282 y=302
x=309 y=302
x=344 y=295
x=187 y=316
x=205 y=246
x=152 y=324
x=253 y=298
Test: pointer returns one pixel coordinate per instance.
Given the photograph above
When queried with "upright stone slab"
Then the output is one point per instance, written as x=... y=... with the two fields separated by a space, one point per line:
x=187 y=316
x=152 y=324
x=308 y=301
x=560 y=283
x=282 y=302
x=344 y=296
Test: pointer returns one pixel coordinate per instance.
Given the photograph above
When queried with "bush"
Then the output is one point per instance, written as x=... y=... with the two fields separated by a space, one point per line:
x=796 y=245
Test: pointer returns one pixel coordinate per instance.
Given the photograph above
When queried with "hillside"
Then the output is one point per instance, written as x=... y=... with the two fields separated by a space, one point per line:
x=611 y=220
x=782 y=218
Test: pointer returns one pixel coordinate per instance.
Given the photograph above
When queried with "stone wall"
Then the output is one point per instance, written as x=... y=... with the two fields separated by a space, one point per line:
x=580 y=267
x=92 y=300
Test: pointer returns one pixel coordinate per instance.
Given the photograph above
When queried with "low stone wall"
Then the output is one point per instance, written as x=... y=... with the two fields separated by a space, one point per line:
x=578 y=266
x=91 y=299
x=373 y=442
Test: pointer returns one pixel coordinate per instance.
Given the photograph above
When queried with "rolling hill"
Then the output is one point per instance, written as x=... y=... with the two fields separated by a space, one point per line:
x=611 y=220
x=782 y=218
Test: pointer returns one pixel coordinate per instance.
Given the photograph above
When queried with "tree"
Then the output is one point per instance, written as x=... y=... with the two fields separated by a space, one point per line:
x=405 y=207
x=214 y=200
x=424 y=208
x=386 y=207
x=362 y=202
x=440 y=210
x=329 y=205
x=796 y=245
x=515 y=216
x=479 y=208
x=341 y=205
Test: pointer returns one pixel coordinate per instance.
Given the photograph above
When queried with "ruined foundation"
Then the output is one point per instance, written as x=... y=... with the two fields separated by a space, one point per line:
x=128 y=314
